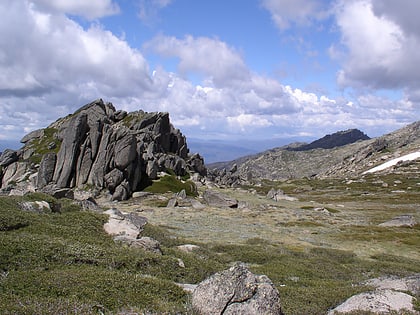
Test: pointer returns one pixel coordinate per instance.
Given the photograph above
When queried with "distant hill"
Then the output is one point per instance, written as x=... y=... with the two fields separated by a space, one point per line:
x=337 y=139
x=307 y=160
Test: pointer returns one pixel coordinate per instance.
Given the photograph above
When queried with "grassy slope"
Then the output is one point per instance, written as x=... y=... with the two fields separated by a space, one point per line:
x=64 y=262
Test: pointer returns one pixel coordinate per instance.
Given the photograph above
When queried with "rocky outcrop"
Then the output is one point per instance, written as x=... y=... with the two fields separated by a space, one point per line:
x=236 y=291
x=100 y=147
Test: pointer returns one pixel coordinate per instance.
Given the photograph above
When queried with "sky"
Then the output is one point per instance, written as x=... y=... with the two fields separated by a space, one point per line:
x=232 y=70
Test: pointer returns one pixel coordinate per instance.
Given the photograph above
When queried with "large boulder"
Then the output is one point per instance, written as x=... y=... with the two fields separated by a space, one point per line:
x=216 y=199
x=236 y=291
x=377 y=302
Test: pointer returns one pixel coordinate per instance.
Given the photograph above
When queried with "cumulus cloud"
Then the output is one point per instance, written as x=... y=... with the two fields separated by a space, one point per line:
x=50 y=65
x=50 y=59
x=380 y=42
x=286 y=13
x=90 y=10
x=207 y=56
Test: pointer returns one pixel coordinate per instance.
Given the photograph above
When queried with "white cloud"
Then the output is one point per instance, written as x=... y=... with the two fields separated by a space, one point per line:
x=50 y=65
x=379 y=46
x=247 y=122
x=286 y=13
x=209 y=57
x=91 y=9
x=149 y=9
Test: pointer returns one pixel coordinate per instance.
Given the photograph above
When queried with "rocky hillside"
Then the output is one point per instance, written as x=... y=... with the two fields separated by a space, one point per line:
x=99 y=147
x=346 y=160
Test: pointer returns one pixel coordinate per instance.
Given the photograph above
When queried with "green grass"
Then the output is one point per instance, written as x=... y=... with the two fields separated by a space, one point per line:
x=64 y=263
x=54 y=260
x=170 y=183
x=40 y=146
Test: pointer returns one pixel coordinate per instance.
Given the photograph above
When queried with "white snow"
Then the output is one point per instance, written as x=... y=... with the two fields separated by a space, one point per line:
x=407 y=157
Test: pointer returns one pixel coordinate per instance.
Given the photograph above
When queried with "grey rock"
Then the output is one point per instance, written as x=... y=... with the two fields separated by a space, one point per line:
x=148 y=244
x=188 y=248
x=16 y=172
x=137 y=220
x=236 y=291
x=378 y=302
x=113 y=179
x=122 y=191
x=51 y=145
x=197 y=204
x=120 y=115
x=8 y=157
x=67 y=156
x=216 y=199
x=46 y=169
x=84 y=163
x=181 y=195
x=406 y=220
x=99 y=167
x=88 y=204
x=35 y=206
x=96 y=140
x=62 y=193
x=27 y=153
x=125 y=149
x=152 y=169
x=36 y=134
x=172 y=203
x=119 y=225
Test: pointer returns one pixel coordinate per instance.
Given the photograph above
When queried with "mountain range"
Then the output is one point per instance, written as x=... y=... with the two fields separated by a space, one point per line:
x=343 y=154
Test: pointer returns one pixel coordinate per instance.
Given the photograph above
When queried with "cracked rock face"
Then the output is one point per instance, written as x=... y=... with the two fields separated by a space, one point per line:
x=236 y=291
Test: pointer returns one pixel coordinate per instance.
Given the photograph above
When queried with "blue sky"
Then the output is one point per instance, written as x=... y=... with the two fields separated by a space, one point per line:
x=223 y=69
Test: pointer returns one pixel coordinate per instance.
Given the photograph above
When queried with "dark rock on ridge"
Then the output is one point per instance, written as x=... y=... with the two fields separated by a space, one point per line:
x=336 y=139
x=100 y=147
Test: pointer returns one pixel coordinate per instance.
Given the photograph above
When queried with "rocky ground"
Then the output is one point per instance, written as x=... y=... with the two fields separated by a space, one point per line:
x=373 y=216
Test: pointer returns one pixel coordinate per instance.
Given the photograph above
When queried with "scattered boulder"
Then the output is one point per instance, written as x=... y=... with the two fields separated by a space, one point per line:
x=216 y=199
x=197 y=204
x=379 y=301
x=188 y=248
x=172 y=203
x=406 y=284
x=236 y=291
x=278 y=194
x=147 y=243
x=120 y=224
x=406 y=220
x=35 y=206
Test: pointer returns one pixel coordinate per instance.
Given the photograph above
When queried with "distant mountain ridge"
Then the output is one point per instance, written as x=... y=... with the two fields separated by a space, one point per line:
x=337 y=139
x=297 y=160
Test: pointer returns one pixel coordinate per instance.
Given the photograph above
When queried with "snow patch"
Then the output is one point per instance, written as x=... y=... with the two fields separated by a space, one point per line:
x=407 y=157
